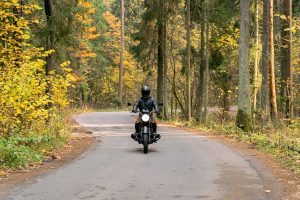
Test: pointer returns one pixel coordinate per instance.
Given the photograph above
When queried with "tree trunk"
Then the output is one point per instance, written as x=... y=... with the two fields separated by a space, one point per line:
x=165 y=98
x=50 y=40
x=206 y=83
x=48 y=4
x=264 y=67
x=283 y=51
x=172 y=62
x=256 y=61
x=160 y=59
x=225 y=77
x=188 y=60
x=200 y=88
x=122 y=15
x=286 y=68
x=243 y=119
x=272 y=84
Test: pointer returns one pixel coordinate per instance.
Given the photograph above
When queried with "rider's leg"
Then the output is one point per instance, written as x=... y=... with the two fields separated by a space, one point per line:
x=154 y=125
x=154 y=128
x=138 y=124
x=137 y=128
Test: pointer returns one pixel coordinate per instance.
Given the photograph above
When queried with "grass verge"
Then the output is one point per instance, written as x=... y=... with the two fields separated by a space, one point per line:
x=22 y=149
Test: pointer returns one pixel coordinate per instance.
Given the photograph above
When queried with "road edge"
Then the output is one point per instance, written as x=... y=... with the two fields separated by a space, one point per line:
x=284 y=176
x=80 y=141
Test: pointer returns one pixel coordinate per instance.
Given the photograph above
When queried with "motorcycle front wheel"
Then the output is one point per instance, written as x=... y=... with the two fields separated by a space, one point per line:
x=145 y=143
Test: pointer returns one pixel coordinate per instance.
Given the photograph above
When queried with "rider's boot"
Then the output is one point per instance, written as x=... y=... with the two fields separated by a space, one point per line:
x=156 y=135
x=137 y=131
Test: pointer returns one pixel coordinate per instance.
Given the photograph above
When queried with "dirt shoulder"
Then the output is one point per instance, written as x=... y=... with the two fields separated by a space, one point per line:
x=285 y=177
x=80 y=141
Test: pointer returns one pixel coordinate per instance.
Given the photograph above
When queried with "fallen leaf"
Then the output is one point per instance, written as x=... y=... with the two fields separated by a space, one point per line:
x=3 y=174
x=55 y=157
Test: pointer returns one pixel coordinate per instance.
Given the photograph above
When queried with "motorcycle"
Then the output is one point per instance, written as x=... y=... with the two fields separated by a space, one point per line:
x=146 y=135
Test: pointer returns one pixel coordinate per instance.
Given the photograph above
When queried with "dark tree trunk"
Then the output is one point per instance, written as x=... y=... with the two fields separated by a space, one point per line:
x=264 y=66
x=50 y=39
x=225 y=85
x=165 y=98
x=286 y=59
x=160 y=58
x=200 y=87
x=49 y=45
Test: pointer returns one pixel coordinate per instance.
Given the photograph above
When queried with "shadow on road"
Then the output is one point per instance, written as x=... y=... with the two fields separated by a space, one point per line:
x=141 y=150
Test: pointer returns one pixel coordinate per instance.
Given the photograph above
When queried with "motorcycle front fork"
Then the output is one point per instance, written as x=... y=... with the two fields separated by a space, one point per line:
x=139 y=128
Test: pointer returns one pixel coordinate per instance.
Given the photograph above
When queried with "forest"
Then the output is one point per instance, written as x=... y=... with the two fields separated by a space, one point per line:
x=225 y=65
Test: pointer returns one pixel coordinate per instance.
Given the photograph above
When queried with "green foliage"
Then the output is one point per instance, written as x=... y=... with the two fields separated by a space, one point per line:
x=216 y=59
x=15 y=155
x=29 y=128
x=31 y=146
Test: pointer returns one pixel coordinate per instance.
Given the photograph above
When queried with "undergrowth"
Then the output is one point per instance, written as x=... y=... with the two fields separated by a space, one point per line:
x=21 y=149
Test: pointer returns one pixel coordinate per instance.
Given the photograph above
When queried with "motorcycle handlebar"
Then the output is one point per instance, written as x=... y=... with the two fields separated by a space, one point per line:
x=142 y=113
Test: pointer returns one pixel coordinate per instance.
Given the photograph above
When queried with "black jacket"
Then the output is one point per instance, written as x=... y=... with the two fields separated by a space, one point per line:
x=145 y=105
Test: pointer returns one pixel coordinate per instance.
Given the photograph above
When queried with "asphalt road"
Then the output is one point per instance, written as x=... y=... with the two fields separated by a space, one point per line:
x=181 y=165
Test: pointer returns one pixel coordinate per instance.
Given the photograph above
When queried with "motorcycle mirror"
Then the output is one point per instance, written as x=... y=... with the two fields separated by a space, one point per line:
x=129 y=104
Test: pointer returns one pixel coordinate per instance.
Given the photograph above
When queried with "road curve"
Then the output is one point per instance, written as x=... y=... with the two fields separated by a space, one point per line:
x=180 y=166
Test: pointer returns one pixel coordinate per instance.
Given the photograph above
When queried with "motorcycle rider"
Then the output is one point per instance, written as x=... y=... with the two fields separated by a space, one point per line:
x=146 y=102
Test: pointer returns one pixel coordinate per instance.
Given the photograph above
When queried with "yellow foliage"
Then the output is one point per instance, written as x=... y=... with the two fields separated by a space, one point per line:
x=113 y=37
x=132 y=76
x=23 y=82
x=87 y=33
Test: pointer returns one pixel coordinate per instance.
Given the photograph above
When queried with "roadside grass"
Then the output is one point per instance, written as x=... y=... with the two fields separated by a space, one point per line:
x=283 y=142
x=22 y=149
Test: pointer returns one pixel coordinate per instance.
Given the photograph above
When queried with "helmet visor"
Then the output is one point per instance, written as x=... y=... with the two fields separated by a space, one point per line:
x=145 y=93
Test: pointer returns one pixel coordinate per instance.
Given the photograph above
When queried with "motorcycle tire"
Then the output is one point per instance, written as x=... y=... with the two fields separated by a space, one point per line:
x=145 y=143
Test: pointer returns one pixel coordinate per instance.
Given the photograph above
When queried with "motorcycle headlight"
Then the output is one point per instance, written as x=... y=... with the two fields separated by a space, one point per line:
x=145 y=118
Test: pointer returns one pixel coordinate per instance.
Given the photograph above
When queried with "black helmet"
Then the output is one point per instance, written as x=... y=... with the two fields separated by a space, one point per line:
x=145 y=91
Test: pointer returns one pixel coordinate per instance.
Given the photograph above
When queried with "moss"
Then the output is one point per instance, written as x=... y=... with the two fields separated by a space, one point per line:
x=244 y=121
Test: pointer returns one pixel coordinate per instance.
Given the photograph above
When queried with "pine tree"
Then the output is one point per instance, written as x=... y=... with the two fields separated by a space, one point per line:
x=243 y=119
x=271 y=67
